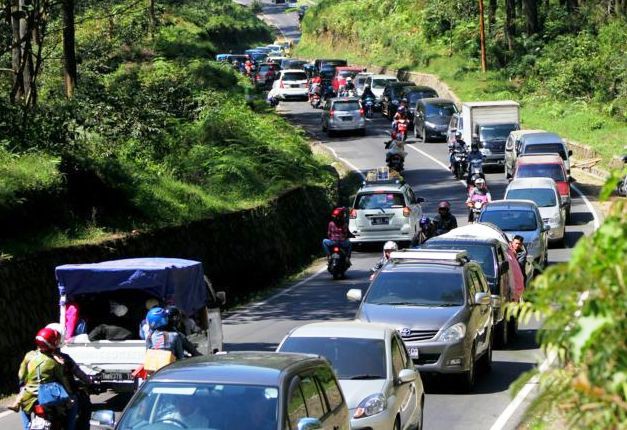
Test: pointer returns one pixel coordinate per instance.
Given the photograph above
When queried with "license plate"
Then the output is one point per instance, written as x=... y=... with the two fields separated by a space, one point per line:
x=39 y=423
x=295 y=86
x=347 y=118
x=413 y=352
x=115 y=376
x=380 y=221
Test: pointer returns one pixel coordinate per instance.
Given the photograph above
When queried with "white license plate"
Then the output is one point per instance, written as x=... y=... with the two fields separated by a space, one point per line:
x=115 y=376
x=39 y=423
x=413 y=352
x=380 y=221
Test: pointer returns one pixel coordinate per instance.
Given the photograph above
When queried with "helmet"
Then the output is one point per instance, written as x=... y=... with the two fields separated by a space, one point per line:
x=47 y=339
x=474 y=147
x=390 y=245
x=480 y=182
x=349 y=79
x=401 y=109
x=444 y=205
x=157 y=318
x=174 y=315
x=366 y=86
x=404 y=100
x=424 y=221
x=59 y=329
x=338 y=214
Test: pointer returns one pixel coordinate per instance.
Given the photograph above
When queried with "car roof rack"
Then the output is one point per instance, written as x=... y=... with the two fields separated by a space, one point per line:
x=457 y=256
x=382 y=176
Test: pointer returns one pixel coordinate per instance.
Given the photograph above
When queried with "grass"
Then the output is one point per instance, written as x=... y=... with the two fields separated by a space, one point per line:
x=26 y=173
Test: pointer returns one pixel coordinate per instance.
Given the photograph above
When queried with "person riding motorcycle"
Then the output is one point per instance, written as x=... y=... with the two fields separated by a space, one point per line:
x=425 y=231
x=367 y=94
x=457 y=146
x=474 y=157
x=175 y=324
x=350 y=86
x=337 y=234
x=395 y=146
x=38 y=367
x=161 y=337
x=400 y=118
x=402 y=110
x=388 y=248
x=479 y=193
x=444 y=221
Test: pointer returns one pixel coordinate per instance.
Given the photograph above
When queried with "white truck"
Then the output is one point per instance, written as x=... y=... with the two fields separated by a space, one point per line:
x=489 y=124
x=88 y=290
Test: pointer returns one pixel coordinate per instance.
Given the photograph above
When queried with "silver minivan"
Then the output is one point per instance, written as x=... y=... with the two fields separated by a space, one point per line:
x=544 y=193
x=343 y=113
x=522 y=142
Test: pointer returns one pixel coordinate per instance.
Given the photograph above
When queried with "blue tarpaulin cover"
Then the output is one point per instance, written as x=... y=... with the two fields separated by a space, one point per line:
x=172 y=280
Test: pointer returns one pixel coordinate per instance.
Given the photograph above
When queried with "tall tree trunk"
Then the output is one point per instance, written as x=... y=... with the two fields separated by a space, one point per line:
x=17 y=92
x=153 y=16
x=530 y=9
x=492 y=6
x=518 y=8
x=69 y=48
x=484 y=62
x=26 y=49
x=510 y=26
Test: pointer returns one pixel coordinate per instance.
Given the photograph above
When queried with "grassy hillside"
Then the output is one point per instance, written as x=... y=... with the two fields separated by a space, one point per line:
x=156 y=134
x=570 y=78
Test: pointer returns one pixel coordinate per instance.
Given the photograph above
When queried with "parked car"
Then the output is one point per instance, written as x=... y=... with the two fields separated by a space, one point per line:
x=520 y=217
x=265 y=75
x=491 y=254
x=290 y=84
x=392 y=96
x=384 y=210
x=545 y=143
x=256 y=390
x=413 y=95
x=343 y=113
x=544 y=193
x=432 y=117
x=511 y=149
x=360 y=81
x=376 y=373
x=341 y=73
x=377 y=85
x=546 y=166
x=441 y=303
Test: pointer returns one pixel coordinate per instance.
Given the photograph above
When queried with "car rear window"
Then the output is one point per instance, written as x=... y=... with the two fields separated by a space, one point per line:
x=379 y=201
x=420 y=288
x=347 y=73
x=542 y=197
x=553 y=171
x=481 y=253
x=342 y=353
x=546 y=148
x=511 y=220
x=346 y=106
x=496 y=131
x=414 y=96
x=380 y=83
x=432 y=110
x=294 y=76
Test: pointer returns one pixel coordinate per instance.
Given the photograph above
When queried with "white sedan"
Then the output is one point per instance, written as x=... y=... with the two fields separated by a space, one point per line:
x=376 y=374
x=290 y=84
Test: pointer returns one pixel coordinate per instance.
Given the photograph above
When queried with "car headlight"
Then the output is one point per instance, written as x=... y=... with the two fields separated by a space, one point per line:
x=565 y=199
x=371 y=405
x=454 y=333
x=430 y=124
x=557 y=219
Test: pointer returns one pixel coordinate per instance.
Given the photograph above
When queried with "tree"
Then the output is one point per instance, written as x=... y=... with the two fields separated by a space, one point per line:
x=510 y=26
x=69 y=48
x=530 y=10
x=492 y=8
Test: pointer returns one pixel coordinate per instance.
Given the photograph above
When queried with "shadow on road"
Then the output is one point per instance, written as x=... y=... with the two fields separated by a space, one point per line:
x=580 y=218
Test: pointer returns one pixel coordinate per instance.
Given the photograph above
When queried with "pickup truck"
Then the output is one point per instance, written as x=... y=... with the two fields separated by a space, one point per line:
x=130 y=284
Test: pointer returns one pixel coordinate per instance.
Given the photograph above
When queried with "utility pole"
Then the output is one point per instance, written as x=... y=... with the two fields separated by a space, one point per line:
x=482 y=38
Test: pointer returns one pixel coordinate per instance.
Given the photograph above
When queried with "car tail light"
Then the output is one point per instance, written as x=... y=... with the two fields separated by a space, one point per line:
x=331 y=113
x=39 y=411
x=353 y=213
x=361 y=111
x=336 y=249
x=406 y=211
x=281 y=85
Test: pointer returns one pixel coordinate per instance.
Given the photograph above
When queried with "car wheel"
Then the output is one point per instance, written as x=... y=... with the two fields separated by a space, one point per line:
x=502 y=337
x=486 y=360
x=397 y=423
x=423 y=134
x=330 y=132
x=468 y=377
x=512 y=327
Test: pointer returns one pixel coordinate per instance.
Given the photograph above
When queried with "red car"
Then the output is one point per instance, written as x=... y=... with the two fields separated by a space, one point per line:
x=341 y=73
x=266 y=73
x=546 y=166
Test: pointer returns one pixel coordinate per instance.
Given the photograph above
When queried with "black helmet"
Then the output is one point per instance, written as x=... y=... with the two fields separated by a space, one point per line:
x=174 y=315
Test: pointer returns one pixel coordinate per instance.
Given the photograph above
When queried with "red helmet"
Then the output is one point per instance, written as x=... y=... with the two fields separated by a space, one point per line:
x=337 y=213
x=444 y=205
x=47 y=339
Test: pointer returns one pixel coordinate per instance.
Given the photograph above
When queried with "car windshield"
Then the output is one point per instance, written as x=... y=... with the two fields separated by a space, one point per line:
x=511 y=219
x=347 y=73
x=496 y=131
x=481 y=253
x=380 y=83
x=420 y=288
x=381 y=200
x=553 y=171
x=346 y=106
x=294 y=76
x=414 y=96
x=165 y=406
x=546 y=148
x=351 y=358
x=326 y=74
x=543 y=197
x=265 y=69
x=439 y=110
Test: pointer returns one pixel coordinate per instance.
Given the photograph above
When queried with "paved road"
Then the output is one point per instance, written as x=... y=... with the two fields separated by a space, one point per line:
x=261 y=326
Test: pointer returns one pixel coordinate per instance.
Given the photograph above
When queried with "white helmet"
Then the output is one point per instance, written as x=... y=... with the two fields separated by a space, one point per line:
x=349 y=79
x=390 y=245
x=479 y=182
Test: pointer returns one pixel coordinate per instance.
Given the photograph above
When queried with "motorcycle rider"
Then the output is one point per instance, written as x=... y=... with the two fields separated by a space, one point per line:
x=38 y=367
x=350 y=86
x=479 y=193
x=424 y=232
x=457 y=146
x=160 y=336
x=402 y=110
x=367 y=94
x=388 y=248
x=444 y=221
x=474 y=156
x=337 y=234
x=175 y=324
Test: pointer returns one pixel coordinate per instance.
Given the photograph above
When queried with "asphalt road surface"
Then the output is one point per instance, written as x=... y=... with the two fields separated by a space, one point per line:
x=261 y=326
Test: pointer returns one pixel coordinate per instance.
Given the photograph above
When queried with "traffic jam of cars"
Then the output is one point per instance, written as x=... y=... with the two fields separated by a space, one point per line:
x=436 y=301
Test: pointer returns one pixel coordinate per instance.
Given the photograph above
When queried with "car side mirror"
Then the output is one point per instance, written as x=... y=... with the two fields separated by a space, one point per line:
x=571 y=179
x=354 y=295
x=221 y=296
x=482 y=299
x=570 y=152
x=546 y=228
x=420 y=200
x=309 y=423
x=405 y=376
x=104 y=419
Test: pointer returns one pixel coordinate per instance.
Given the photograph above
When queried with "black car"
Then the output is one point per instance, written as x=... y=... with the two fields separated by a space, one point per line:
x=251 y=390
x=432 y=117
x=415 y=94
x=392 y=96
x=320 y=63
x=290 y=63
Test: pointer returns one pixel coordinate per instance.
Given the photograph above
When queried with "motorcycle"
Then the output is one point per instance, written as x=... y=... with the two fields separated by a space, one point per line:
x=48 y=418
x=395 y=156
x=460 y=163
x=401 y=129
x=316 y=101
x=337 y=264
x=369 y=107
x=475 y=171
x=424 y=232
x=396 y=163
x=476 y=203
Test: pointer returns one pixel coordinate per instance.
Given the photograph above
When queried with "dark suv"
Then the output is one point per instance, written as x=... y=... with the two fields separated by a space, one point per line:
x=440 y=301
x=255 y=390
x=414 y=95
x=392 y=96
x=432 y=117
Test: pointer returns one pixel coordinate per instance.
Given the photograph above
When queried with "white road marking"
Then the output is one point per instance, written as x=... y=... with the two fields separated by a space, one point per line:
x=436 y=161
x=595 y=217
x=348 y=163
x=279 y=294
